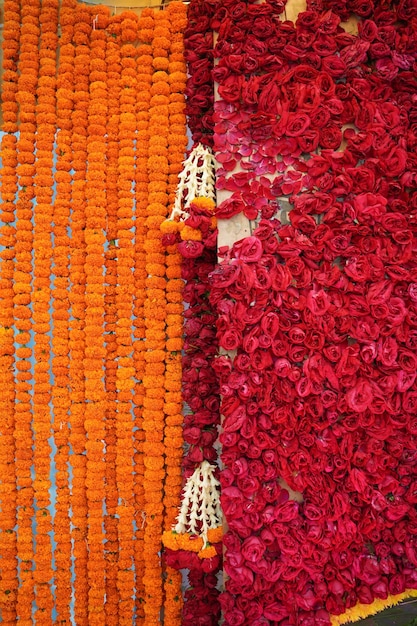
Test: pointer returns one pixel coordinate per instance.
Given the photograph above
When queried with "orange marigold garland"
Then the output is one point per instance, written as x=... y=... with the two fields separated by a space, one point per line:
x=155 y=314
x=143 y=83
x=110 y=318
x=173 y=440
x=42 y=245
x=95 y=352
x=124 y=308
x=8 y=188
x=26 y=98
x=78 y=498
x=61 y=308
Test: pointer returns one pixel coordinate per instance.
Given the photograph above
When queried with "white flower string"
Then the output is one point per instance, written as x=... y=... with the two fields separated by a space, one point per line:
x=200 y=509
x=196 y=180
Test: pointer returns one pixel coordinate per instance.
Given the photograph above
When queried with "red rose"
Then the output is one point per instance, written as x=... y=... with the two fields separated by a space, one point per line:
x=331 y=137
x=190 y=249
x=297 y=124
x=318 y=302
x=253 y=549
x=393 y=163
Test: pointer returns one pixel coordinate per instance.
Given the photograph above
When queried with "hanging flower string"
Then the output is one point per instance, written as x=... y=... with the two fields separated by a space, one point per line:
x=144 y=70
x=42 y=244
x=113 y=68
x=196 y=239
x=61 y=306
x=155 y=315
x=173 y=440
x=199 y=43
x=26 y=97
x=77 y=276
x=95 y=353
x=8 y=189
x=124 y=310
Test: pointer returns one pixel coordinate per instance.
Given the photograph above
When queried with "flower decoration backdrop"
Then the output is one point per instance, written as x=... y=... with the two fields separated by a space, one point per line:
x=302 y=335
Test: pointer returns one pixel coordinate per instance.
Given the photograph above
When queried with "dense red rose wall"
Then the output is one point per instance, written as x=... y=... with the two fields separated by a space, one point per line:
x=320 y=312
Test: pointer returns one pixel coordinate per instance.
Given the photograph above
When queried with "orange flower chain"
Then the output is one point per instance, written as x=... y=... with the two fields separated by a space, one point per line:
x=8 y=389
x=78 y=465
x=28 y=69
x=61 y=308
x=94 y=136
x=42 y=246
x=144 y=70
x=113 y=68
x=124 y=311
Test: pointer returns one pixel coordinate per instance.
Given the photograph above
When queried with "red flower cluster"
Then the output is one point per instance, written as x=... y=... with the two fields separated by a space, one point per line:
x=321 y=393
x=321 y=311
x=290 y=90
x=200 y=386
x=198 y=40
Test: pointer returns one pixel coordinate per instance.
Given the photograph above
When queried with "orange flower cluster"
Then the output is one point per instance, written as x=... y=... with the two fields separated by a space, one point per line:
x=91 y=317
x=155 y=316
x=95 y=351
x=8 y=189
x=193 y=543
x=28 y=68
x=42 y=245
x=173 y=440
x=110 y=319
x=61 y=307
x=124 y=310
x=144 y=70
x=77 y=276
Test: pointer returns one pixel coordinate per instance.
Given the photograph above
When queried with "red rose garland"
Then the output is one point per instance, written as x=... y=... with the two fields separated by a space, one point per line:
x=198 y=40
x=320 y=311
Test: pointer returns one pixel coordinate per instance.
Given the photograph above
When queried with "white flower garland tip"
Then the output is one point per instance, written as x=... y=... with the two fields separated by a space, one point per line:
x=197 y=180
x=200 y=508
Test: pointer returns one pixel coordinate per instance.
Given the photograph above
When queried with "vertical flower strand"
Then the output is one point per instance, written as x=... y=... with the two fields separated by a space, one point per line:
x=173 y=439
x=110 y=318
x=61 y=310
x=95 y=351
x=26 y=97
x=155 y=315
x=8 y=191
x=124 y=307
x=42 y=245
x=144 y=72
x=78 y=496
